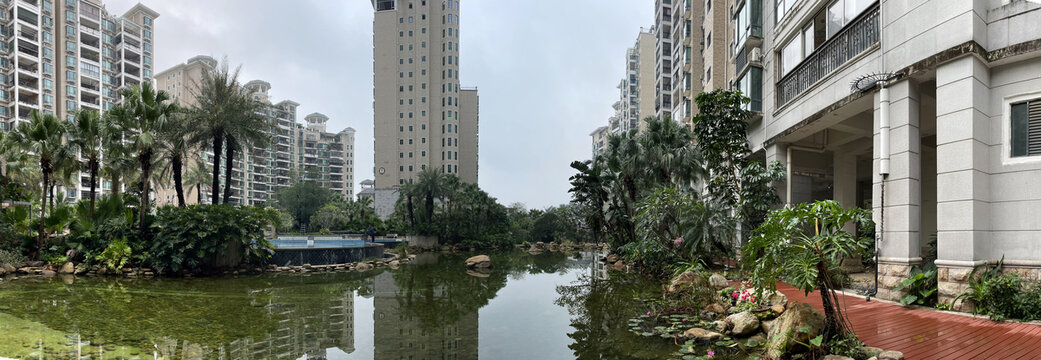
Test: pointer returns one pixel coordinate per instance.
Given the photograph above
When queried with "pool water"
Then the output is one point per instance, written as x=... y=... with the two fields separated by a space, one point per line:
x=318 y=244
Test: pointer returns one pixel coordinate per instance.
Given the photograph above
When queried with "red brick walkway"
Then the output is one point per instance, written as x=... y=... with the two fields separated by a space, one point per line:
x=924 y=334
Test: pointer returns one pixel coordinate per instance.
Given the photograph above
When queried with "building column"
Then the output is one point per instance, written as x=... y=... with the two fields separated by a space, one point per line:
x=896 y=199
x=779 y=153
x=844 y=191
x=962 y=185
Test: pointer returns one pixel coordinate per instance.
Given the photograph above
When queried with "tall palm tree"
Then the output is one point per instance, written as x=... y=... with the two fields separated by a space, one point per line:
x=247 y=128
x=174 y=144
x=42 y=136
x=150 y=110
x=117 y=163
x=211 y=116
x=88 y=134
x=430 y=186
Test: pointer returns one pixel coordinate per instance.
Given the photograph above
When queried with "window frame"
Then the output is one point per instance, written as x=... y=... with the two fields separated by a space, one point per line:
x=1006 y=129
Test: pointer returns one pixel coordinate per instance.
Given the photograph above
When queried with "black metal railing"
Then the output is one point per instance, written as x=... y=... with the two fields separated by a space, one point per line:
x=852 y=40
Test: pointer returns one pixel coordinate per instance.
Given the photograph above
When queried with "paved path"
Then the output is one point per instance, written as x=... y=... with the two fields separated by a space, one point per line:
x=925 y=334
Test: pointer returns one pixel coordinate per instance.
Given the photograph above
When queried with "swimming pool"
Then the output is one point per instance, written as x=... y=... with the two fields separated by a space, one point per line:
x=283 y=243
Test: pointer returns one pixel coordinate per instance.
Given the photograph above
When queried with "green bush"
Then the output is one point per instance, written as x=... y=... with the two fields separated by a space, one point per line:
x=920 y=287
x=116 y=255
x=193 y=237
x=13 y=257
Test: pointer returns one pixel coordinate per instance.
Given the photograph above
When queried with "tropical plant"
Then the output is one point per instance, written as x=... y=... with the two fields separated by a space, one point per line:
x=43 y=137
x=804 y=245
x=247 y=128
x=198 y=175
x=148 y=111
x=90 y=132
x=920 y=286
x=174 y=148
x=116 y=254
x=193 y=237
x=302 y=200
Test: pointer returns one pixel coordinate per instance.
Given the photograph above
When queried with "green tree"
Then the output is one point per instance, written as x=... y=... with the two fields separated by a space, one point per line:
x=804 y=245
x=302 y=200
x=214 y=113
x=174 y=149
x=246 y=128
x=43 y=137
x=90 y=133
x=149 y=110
x=197 y=177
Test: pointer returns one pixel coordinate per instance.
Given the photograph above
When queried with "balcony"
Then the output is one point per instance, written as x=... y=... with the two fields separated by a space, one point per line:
x=851 y=41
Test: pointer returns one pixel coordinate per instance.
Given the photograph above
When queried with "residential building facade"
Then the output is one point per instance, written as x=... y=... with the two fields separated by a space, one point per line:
x=64 y=56
x=938 y=134
x=422 y=117
x=663 y=58
x=296 y=152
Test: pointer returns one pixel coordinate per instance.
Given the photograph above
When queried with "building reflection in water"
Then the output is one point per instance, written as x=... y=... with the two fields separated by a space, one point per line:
x=399 y=333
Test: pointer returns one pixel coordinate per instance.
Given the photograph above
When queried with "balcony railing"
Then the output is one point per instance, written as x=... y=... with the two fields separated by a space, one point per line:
x=852 y=40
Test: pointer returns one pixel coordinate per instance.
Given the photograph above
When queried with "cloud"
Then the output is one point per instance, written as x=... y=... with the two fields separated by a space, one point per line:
x=546 y=71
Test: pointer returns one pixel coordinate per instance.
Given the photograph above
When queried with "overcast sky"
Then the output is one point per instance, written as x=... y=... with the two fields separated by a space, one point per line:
x=546 y=71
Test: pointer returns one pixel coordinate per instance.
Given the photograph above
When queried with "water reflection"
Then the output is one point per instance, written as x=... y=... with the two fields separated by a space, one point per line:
x=434 y=309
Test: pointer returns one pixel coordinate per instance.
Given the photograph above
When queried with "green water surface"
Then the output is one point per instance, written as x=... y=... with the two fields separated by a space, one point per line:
x=547 y=306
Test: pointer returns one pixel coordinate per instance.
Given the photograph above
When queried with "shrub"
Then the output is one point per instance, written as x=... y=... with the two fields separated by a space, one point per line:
x=194 y=237
x=13 y=257
x=116 y=255
x=920 y=287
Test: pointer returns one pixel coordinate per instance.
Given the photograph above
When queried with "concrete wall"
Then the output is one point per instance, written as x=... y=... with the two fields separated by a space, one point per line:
x=384 y=202
x=326 y=256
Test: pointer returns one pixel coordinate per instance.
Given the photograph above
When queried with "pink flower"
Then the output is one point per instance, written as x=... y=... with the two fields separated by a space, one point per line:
x=711 y=353
x=678 y=241
x=734 y=295
x=684 y=319
x=648 y=313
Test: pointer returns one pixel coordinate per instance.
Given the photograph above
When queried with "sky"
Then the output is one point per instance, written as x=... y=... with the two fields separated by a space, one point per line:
x=546 y=71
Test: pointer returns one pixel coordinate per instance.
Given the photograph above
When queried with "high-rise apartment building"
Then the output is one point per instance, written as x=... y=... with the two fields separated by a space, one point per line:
x=296 y=152
x=62 y=56
x=423 y=118
x=663 y=57
x=636 y=89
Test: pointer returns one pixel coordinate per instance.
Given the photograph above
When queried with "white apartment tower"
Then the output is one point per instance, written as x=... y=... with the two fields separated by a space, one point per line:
x=62 y=56
x=663 y=57
x=423 y=118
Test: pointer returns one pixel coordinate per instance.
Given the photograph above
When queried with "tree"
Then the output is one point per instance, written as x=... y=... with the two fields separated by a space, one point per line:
x=588 y=189
x=197 y=177
x=149 y=110
x=804 y=245
x=174 y=147
x=43 y=137
x=302 y=200
x=246 y=128
x=89 y=134
x=212 y=115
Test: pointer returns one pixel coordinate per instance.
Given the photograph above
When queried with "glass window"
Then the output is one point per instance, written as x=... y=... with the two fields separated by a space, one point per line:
x=1026 y=128
x=791 y=55
x=836 y=18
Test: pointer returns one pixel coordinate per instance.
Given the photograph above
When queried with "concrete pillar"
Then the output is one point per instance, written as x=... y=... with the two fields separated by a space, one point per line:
x=897 y=213
x=844 y=182
x=962 y=184
x=779 y=153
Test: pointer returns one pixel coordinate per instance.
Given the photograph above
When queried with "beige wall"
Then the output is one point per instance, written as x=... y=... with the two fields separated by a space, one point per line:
x=468 y=135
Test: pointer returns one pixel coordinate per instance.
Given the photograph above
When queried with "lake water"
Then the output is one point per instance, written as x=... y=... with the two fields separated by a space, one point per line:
x=547 y=306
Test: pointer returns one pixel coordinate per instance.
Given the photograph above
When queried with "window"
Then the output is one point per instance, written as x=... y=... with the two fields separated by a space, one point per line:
x=1026 y=128
x=751 y=85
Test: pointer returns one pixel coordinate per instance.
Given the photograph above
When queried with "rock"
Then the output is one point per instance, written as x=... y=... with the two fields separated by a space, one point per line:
x=719 y=325
x=395 y=264
x=714 y=309
x=477 y=273
x=48 y=273
x=767 y=325
x=702 y=334
x=776 y=298
x=718 y=281
x=742 y=324
x=2 y=271
x=612 y=258
x=836 y=357
x=363 y=267
x=102 y=271
x=777 y=309
x=479 y=262
x=36 y=263
x=619 y=265
x=871 y=351
x=68 y=268
x=540 y=245
x=683 y=280
x=891 y=355
x=784 y=332
x=25 y=270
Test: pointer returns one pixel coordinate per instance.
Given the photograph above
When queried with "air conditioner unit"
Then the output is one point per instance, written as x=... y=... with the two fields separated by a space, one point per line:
x=756 y=55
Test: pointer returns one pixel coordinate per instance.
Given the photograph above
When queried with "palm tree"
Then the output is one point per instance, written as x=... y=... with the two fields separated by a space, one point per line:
x=174 y=144
x=117 y=163
x=247 y=128
x=89 y=132
x=211 y=116
x=42 y=136
x=197 y=177
x=430 y=186
x=150 y=110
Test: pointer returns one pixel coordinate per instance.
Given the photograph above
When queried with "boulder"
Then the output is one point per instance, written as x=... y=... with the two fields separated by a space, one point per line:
x=714 y=309
x=742 y=324
x=891 y=355
x=775 y=298
x=2 y=271
x=395 y=263
x=479 y=262
x=68 y=268
x=718 y=281
x=784 y=332
x=10 y=268
x=777 y=309
x=363 y=267
x=48 y=273
x=836 y=357
x=702 y=334
x=540 y=245
x=871 y=351
x=683 y=280
x=767 y=325
x=36 y=263
x=619 y=265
